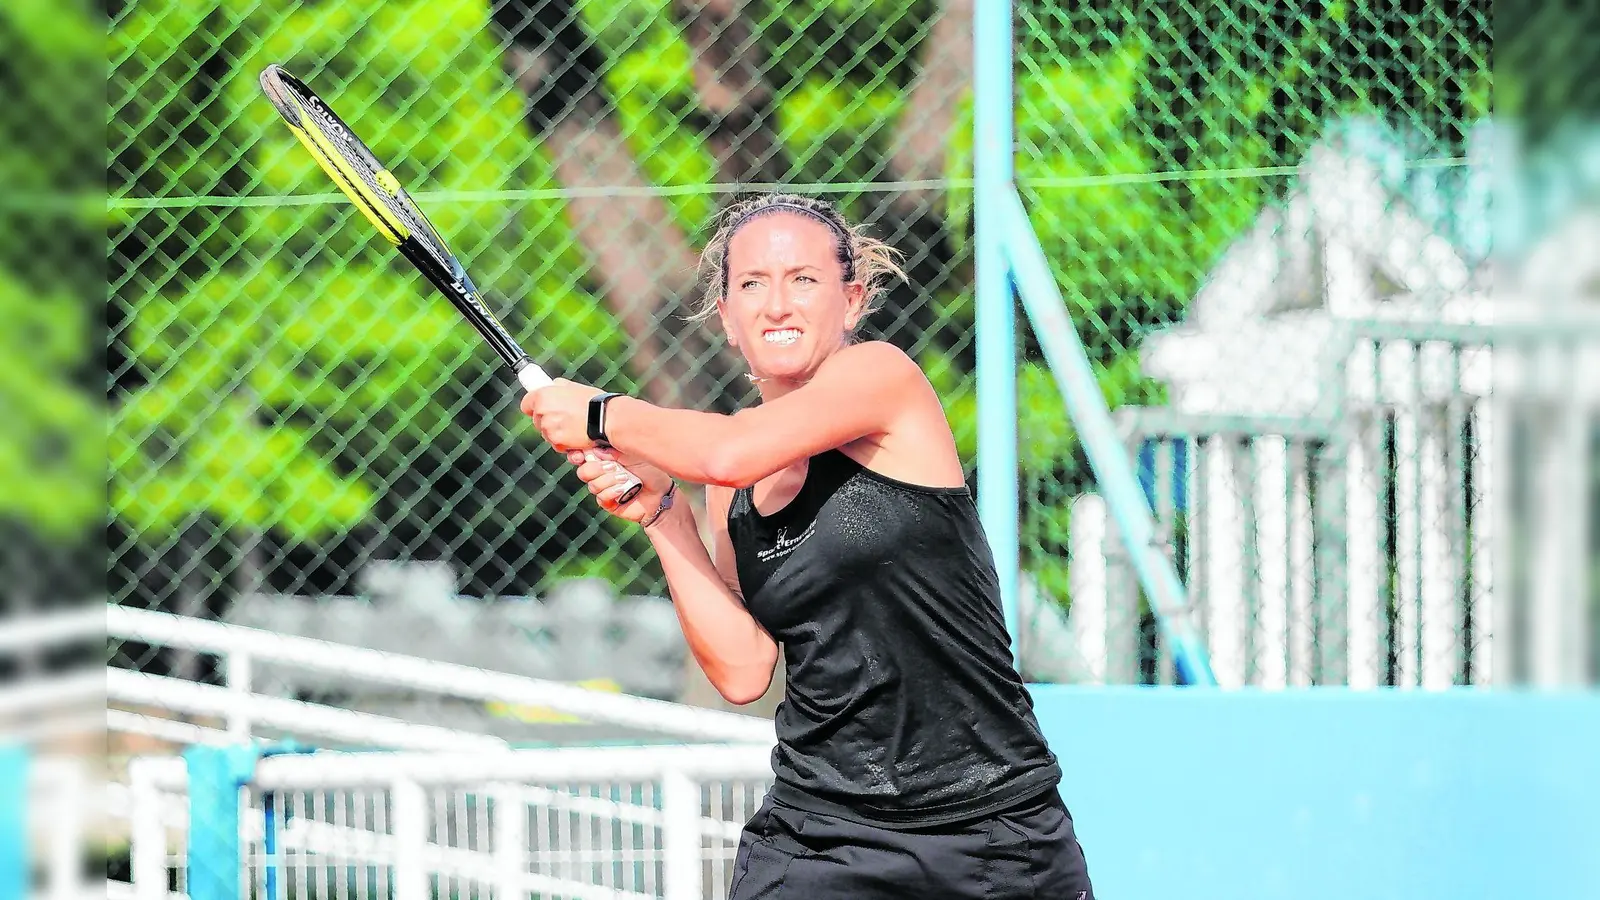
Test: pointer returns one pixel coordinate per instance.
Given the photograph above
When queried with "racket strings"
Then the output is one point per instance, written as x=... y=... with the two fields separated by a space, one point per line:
x=365 y=180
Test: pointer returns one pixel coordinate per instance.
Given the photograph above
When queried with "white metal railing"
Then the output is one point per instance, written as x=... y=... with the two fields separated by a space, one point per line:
x=51 y=629
x=243 y=710
x=1373 y=543
x=60 y=801
x=630 y=822
x=56 y=704
x=279 y=713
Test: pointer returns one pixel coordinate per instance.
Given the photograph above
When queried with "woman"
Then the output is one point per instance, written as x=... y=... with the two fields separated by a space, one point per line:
x=909 y=762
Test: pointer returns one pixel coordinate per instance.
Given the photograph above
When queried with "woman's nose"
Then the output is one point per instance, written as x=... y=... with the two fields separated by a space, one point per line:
x=779 y=300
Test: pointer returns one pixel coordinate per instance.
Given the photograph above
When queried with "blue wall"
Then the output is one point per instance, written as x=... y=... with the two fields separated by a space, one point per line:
x=1330 y=793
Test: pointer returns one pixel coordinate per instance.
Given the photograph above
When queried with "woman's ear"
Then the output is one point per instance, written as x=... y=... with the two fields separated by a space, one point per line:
x=855 y=298
x=727 y=327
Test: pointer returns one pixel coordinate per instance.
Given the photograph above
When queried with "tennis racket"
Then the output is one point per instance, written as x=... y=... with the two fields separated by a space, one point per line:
x=379 y=196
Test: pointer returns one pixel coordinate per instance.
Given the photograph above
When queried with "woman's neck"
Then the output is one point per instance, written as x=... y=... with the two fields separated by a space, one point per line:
x=773 y=388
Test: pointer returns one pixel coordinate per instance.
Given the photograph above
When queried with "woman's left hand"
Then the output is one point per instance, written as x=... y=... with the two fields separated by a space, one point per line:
x=560 y=409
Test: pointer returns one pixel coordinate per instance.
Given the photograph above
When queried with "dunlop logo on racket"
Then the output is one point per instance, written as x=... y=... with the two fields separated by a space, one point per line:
x=469 y=293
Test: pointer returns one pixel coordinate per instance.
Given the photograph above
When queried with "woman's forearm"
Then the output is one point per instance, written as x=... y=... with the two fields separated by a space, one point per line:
x=710 y=448
x=684 y=443
x=734 y=651
x=861 y=392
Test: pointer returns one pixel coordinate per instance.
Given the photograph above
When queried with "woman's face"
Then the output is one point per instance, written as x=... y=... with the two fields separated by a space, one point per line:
x=787 y=306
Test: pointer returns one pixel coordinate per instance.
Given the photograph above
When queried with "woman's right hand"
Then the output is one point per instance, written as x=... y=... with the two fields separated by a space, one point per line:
x=606 y=473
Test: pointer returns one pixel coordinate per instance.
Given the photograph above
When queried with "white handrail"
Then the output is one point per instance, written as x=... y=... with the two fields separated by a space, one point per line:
x=449 y=679
x=124 y=722
x=353 y=845
x=564 y=764
x=53 y=693
x=26 y=633
x=365 y=729
x=599 y=807
x=84 y=723
x=517 y=779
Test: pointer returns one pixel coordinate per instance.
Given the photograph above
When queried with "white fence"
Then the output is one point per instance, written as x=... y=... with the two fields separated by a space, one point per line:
x=631 y=822
x=45 y=706
x=412 y=811
x=1385 y=539
x=247 y=712
x=60 y=806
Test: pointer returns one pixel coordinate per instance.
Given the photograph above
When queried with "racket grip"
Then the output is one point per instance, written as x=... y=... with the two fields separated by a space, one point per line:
x=531 y=377
x=633 y=488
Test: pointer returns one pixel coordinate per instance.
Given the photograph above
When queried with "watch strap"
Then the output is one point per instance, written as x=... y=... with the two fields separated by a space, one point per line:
x=597 y=418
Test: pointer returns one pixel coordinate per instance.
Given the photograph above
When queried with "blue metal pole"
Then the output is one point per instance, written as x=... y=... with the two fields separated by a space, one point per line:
x=15 y=857
x=215 y=853
x=269 y=814
x=996 y=319
x=1113 y=471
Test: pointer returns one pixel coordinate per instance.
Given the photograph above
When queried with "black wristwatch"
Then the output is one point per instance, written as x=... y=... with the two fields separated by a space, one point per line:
x=597 y=418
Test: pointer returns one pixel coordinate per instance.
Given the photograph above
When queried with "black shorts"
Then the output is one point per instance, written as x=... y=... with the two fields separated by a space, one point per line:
x=1029 y=852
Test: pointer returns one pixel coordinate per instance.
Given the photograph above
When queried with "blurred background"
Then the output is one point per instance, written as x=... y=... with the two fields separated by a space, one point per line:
x=1334 y=266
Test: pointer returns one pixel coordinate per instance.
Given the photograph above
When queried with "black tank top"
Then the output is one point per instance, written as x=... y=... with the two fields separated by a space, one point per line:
x=902 y=706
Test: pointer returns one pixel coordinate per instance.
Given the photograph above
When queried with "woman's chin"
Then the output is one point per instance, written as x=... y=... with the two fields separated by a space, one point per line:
x=781 y=367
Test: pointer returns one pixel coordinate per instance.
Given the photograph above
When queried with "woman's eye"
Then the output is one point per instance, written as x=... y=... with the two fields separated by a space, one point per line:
x=805 y=278
x=747 y=285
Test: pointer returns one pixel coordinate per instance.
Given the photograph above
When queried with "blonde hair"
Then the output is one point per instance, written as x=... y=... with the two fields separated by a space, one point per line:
x=862 y=258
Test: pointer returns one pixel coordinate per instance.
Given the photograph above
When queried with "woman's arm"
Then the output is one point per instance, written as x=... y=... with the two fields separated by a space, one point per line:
x=859 y=391
x=735 y=652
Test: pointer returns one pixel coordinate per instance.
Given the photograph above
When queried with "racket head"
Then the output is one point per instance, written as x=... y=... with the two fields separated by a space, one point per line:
x=378 y=194
x=352 y=165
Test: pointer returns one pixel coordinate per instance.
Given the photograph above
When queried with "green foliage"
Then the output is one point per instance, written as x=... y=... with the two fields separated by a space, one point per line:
x=51 y=422
x=289 y=374
x=50 y=457
x=652 y=83
x=1105 y=210
x=834 y=130
x=299 y=328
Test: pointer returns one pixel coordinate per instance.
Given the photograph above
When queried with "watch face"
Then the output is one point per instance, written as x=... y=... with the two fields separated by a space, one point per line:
x=597 y=418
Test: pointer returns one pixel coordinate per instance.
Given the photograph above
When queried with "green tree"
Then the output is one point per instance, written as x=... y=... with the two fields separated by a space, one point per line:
x=285 y=372
x=51 y=419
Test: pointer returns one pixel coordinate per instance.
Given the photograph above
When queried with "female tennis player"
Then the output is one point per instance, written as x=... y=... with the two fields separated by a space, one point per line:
x=909 y=762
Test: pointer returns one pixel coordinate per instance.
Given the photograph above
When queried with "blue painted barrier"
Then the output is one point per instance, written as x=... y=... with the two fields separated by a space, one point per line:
x=1331 y=794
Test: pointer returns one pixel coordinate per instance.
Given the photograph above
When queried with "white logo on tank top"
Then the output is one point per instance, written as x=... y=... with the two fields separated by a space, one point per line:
x=783 y=545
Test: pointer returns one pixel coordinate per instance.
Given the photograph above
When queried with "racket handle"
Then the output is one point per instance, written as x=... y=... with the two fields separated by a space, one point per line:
x=531 y=377
x=634 y=484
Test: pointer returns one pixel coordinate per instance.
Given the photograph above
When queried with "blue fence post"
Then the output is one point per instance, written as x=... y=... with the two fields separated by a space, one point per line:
x=1113 y=470
x=269 y=842
x=996 y=312
x=16 y=860
x=216 y=855
x=216 y=775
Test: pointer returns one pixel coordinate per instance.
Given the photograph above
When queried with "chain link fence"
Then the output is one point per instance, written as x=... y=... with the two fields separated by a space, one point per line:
x=290 y=407
x=290 y=410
